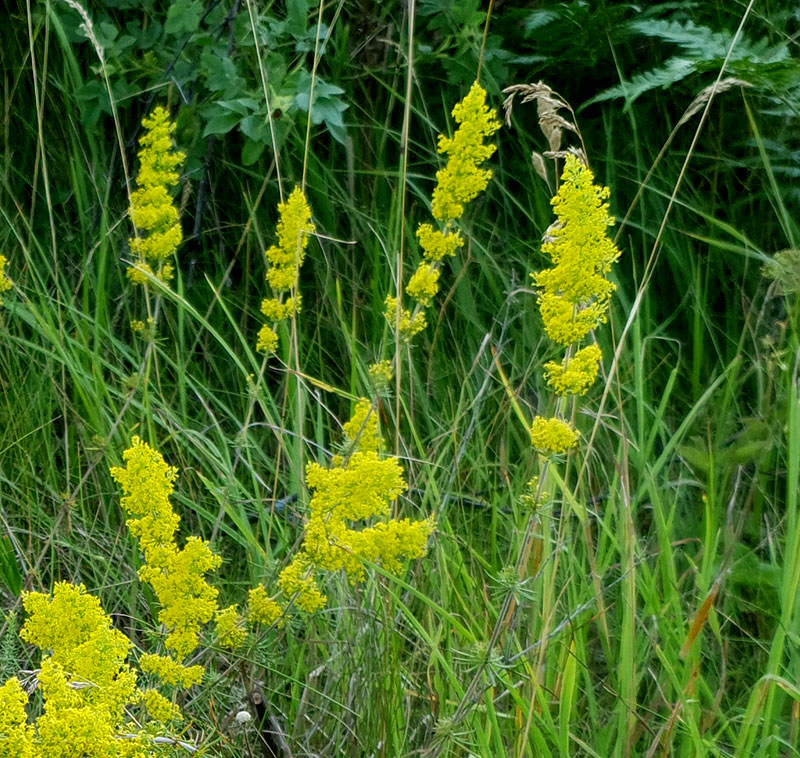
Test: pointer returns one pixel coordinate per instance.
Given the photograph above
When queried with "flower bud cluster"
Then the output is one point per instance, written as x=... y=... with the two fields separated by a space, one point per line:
x=285 y=260
x=154 y=215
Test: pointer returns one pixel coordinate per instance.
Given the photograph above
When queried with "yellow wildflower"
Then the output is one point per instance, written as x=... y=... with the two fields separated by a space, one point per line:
x=74 y=628
x=424 y=284
x=5 y=282
x=552 y=435
x=229 y=633
x=380 y=374
x=285 y=260
x=578 y=376
x=169 y=671
x=85 y=682
x=462 y=179
x=177 y=576
x=16 y=737
x=459 y=182
x=362 y=429
x=267 y=340
x=298 y=579
x=152 y=210
x=261 y=608
x=436 y=244
x=409 y=324
x=574 y=293
x=160 y=708
x=359 y=488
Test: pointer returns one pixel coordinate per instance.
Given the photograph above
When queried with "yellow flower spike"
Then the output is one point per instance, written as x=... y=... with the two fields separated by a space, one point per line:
x=552 y=435
x=459 y=182
x=574 y=294
x=357 y=488
x=160 y=708
x=285 y=260
x=152 y=210
x=462 y=179
x=578 y=376
x=424 y=284
x=5 y=282
x=177 y=576
x=85 y=682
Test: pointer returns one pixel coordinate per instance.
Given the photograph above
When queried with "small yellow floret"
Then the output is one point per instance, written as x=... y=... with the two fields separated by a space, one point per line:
x=436 y=244
x=230 y=634
x=409 y=325
x=160 y=708
x=578 y=376
x=267 y=340
x=261 y=608
x=380 y=374
x=5 y=282
x=275 y=310
x=552 y=435
x=297 y=579
x=169 y=671
x=424 y=284
x=281 y=277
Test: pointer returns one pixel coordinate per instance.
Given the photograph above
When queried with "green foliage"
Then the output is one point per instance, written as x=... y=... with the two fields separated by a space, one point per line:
x=207 y=55
x=770 y=67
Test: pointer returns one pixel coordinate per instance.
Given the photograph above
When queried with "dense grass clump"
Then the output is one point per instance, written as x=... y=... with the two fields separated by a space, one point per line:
x=337 y=418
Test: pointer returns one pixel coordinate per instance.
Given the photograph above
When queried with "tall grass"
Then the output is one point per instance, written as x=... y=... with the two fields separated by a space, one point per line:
x=658 y=614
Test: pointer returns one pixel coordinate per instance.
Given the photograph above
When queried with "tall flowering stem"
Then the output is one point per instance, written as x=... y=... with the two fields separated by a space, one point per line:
x=285 y=260
x=177 y=576
x=355 y=488
x=461 y=180
x=155 y=217
x=574 y=294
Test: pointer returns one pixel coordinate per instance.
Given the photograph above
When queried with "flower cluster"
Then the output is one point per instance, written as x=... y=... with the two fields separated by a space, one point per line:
x=154 y=215
x=177 y=576
x=358 y=487
x=5 y=282
x=574 y=294
x=86 y=684
x=459 y=182
x=285 y=260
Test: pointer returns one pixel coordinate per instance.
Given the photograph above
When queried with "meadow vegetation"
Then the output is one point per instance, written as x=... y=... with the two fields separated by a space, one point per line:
x=399 y=379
